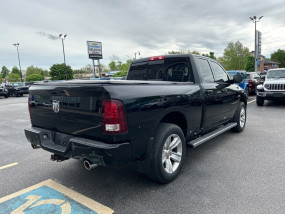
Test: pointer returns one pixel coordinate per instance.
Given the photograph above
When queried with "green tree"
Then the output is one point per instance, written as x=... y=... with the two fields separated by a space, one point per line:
x=57 y=72
x=125 y=66
x=235 y=56
x=120 y=74
x=279 y=56
x=14 y=77
x=15 y=70
x=112 y=65
x=210 y=55
x=34 y=70
x=249 y=65
x=196 y=52
x=46 y=73
x=34 y=77
x=5 y=71
x=1 y=78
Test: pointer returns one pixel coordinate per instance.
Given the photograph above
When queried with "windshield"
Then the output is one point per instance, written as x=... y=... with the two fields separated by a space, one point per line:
x=17 y=84
x=276 y=74
x=231 y=75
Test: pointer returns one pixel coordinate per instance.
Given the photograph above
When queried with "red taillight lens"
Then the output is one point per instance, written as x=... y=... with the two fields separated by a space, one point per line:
x=29 y=107
x=113 y=117
x=154 y=58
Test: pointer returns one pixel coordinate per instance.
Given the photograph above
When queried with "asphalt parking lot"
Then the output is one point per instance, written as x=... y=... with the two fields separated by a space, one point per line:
x=233 y=173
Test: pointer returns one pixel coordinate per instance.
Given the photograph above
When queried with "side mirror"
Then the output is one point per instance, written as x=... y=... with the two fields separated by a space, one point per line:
x=237 y=78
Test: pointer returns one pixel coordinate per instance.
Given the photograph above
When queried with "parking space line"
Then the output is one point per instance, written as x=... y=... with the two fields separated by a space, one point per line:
x=36 y=198
x=251 y=101
x=9 y=165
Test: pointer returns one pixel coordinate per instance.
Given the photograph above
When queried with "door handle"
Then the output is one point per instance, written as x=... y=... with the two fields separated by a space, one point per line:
x=209 y=91
x=224 y=90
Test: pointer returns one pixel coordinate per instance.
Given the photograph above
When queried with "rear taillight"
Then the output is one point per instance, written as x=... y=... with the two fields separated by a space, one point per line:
x=113 y=117
x=29 y=107
x=154 y=58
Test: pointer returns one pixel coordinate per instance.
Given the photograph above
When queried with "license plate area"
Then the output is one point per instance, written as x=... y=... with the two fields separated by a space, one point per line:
x=61 y=139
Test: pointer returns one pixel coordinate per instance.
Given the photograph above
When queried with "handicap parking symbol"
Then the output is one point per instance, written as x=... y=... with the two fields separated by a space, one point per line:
x=50 y=197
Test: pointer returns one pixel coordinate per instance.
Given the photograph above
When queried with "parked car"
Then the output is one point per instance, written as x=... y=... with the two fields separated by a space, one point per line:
x=253 y=79
x=244 y=83
x=3 y=91
x=17 y=88
x=147 y=120
x=273 y=87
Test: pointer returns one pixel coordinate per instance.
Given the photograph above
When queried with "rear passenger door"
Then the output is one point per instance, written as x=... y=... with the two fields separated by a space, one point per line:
x=213 y=99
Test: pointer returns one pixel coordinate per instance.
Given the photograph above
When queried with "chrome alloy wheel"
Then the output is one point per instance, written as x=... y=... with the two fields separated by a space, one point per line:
x=242 y=117
x=172 y=153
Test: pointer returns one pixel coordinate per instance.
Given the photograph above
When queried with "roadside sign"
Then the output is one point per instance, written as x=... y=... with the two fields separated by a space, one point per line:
x=50 y=197
x=94 y=50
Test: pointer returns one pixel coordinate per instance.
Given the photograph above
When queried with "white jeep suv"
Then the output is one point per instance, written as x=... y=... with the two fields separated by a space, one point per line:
x=273 y=87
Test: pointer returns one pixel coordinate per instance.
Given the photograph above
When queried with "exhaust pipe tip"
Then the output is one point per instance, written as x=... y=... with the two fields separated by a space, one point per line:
x=34 y=146
x=89 y=165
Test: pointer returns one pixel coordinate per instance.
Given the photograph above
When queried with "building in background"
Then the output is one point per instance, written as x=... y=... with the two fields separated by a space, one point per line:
x=264 y=64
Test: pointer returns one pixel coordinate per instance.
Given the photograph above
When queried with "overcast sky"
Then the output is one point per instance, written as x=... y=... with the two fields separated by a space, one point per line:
x=127 y=26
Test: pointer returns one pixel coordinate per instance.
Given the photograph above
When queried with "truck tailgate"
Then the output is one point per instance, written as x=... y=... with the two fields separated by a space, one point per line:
x=68 y=108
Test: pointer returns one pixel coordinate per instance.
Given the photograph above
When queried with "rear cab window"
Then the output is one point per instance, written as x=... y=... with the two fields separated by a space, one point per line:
x=220 y=74
x=176 y=69
x=204 y=69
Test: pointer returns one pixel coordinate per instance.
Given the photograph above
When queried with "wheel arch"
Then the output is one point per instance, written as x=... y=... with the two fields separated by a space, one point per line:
x=177 y=118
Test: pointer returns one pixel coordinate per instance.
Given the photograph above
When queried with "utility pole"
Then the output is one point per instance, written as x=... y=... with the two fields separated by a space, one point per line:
x=17 y=45
x=62 y=38
x=254 y=20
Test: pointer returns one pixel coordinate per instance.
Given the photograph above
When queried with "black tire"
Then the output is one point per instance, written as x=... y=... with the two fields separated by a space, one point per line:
x=21 y=95
x=247 y=91
x=259 y=101
x=6 y=95
x=241 y=111
x=158 y=171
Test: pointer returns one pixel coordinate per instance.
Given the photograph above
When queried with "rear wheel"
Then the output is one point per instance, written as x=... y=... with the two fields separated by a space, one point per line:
x=259 y=101
x=168 y=153
x=240 y=118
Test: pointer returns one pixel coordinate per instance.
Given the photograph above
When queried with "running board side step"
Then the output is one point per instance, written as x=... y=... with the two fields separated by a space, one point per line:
x=211 y=135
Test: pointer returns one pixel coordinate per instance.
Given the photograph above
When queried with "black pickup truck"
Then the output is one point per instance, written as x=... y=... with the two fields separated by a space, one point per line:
x=147 y=120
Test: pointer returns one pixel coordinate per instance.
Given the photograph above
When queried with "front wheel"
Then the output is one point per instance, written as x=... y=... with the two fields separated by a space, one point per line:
x=259 y=101
x=240 y=118
x=168 y=153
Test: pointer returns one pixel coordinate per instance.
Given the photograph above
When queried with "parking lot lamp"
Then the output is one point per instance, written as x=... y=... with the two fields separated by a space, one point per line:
x=17 y=46
x=136 y=54
x=63 y=38
x=254 y=20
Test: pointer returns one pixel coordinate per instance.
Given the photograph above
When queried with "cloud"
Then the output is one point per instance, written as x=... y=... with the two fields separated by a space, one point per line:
x=125 y=27
x=49 y=36
x=114 y=58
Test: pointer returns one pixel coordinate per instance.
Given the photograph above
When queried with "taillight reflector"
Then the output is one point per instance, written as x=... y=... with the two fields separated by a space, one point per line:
x=154 y=58
x=113 y=117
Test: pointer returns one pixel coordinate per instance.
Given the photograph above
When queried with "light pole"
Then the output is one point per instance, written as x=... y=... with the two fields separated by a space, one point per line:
x=62 y=38
x=136 y=54
x=254 y=20
x=17 y=46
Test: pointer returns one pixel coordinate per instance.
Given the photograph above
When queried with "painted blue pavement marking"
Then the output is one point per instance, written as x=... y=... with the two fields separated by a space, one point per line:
x=50 y=197
x=45 y=193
